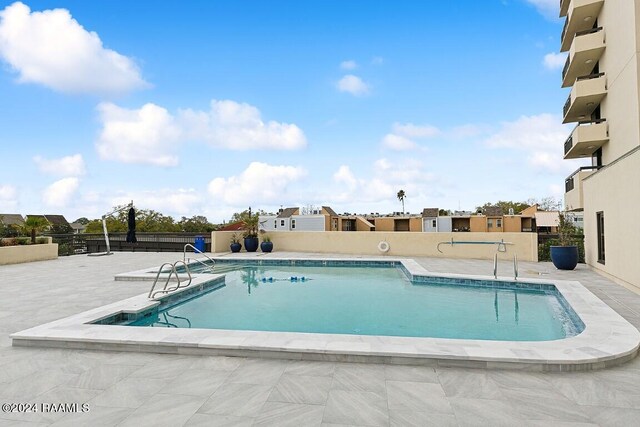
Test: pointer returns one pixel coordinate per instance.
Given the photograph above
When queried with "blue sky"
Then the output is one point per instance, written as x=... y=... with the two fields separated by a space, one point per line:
x=207 y=108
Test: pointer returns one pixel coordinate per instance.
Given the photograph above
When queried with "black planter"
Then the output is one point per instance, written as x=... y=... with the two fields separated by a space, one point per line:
x=251 y=244
x=564 y=257
x=235 y=247
x=266 y=246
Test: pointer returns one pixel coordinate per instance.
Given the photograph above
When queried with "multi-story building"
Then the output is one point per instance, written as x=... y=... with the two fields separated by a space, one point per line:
x=602 y=38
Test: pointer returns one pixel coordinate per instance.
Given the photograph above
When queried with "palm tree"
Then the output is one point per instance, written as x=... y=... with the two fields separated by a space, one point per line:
x=401 y=197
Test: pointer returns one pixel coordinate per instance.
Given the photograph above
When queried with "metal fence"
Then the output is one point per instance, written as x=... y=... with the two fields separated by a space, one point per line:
x=72 y=244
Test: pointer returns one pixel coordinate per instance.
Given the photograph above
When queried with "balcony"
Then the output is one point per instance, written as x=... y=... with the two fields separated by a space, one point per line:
x=585 y=96
x=564 y=7
x=573 y=197
x=581 y=15
x=586 y=138
x=586 y=50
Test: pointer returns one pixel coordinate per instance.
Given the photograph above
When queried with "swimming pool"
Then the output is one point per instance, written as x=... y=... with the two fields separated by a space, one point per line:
x=370 y=301
x=606 y=339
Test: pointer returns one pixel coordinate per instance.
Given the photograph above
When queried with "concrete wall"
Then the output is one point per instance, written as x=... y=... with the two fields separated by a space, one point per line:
x=28 y=253
x=384 y=224
x=615 y=190
x=401 y=243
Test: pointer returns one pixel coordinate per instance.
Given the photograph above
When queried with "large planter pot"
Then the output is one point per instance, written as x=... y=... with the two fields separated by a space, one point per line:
x=266 y=246
x=251 y=244
x=235 y=247
x=564 y=257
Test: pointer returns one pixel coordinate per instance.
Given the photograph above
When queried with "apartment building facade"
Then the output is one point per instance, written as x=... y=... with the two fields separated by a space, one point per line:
x=602 y=38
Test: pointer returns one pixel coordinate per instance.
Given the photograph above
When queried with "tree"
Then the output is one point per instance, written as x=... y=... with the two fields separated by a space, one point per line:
x=196 y=224
x=444 y=212
x=547 y=203
x=505 y=206
x=401 y=197
x=147 y=220
x=82 y=220
x=34 y=225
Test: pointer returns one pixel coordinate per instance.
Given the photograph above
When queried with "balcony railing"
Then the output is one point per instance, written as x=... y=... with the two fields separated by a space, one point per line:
x=566 y=107
x=568 y=144
x=569 y=183
x=566 y=67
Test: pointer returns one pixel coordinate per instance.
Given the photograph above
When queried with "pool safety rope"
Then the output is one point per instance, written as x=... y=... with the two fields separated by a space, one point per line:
x=289 y=279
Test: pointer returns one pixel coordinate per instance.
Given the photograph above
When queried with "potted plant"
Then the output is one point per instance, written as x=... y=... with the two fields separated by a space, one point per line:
x=235 y=245
x=565 y=255
x=251 y=222
x=267 y=244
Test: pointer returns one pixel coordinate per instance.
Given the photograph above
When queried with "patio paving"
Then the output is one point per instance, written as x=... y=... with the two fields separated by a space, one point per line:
x=122 y=388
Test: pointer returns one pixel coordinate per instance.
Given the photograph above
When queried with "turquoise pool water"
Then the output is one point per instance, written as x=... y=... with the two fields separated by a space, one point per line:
x=368 y=301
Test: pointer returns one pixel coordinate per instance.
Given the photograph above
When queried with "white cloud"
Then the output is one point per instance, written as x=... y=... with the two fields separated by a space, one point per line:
x=60 y=193
x=168 y=201
x=410 y=130
x=353 y=85
x=152 y=134
x=239 y=126
x=386 y=178
x=349 y=65
x=65 y=166
x=554 y=61
x=403 y=135
x=541 y=137
x=259 y=183
x=398 y=143
x=147 y=135
x=52 y=49
x=8 y=198
x=550 y=9
x=377 y=60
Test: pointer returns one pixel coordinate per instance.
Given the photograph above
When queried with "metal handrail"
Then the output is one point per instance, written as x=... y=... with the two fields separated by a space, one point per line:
x=184 y=257
x=515 y=266
x=502 y=245
x=173 y=270
x=495 y=266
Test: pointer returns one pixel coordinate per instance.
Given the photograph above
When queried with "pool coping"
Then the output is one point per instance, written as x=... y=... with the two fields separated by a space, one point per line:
x=607 y=340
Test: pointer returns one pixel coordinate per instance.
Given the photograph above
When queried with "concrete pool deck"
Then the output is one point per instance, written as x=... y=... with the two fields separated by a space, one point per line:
x=608 y=339
x=127 y=388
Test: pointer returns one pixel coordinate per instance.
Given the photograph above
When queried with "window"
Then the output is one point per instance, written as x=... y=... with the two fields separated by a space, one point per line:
x=600 y=236
x=433 y=223
x=490 y=223
x=275 y=223
x=282 y=223
x=499 y=223
x=293 y=223
x=334 y=225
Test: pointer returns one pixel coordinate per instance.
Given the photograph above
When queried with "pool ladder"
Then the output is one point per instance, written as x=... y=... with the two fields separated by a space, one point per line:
x=172 y=272
x=185 y=259
x=515 y=266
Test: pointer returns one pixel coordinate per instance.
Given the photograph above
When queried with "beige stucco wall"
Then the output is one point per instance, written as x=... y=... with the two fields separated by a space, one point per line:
x=478 y=223
x=512 y=223
x=401 y=243
x=415 y=224
x=620 y=63
x=615 y=190
x=384 y=224
x=28 y=253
